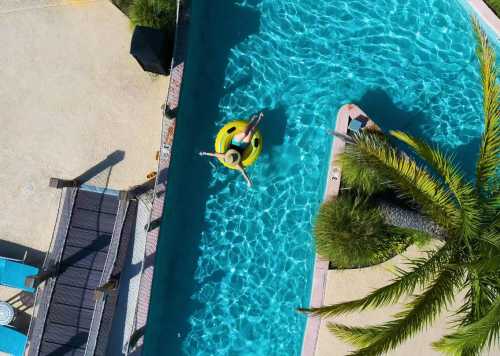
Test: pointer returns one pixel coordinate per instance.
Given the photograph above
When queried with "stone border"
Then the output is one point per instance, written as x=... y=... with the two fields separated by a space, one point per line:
x=332 y=190
x=486 y=15
x=167 y=138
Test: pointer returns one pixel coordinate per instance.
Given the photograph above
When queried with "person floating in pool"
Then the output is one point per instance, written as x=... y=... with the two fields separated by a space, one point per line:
x=239 y=143
x=232 y=157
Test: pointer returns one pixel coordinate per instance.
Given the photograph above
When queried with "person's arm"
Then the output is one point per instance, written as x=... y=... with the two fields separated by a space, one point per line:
x=214 y=154
x=245 y=175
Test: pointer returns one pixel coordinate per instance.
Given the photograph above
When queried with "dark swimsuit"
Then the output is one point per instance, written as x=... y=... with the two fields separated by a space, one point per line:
x=239 y=146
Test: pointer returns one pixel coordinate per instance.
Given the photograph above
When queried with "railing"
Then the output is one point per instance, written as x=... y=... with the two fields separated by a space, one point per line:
x=109 y=264
x=169 y=113
x=44 y=290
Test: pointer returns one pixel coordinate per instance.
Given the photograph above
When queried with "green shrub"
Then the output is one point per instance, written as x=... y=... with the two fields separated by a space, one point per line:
x=356 y=176
x=494 y=5
x=123 y=5
x=350 y=234
x=153 y=13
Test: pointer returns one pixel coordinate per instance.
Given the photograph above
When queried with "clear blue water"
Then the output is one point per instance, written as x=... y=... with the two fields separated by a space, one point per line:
x=233 y=262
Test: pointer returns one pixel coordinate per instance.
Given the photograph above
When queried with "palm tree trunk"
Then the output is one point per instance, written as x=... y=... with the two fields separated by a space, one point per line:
x=399 y=216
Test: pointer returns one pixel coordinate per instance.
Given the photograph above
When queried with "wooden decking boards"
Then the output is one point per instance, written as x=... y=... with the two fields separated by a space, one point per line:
x=87 y=258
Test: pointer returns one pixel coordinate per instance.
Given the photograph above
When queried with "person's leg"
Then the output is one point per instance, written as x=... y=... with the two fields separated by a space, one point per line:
x=248 y=138
x=244 y=137
x=252 y=119
x=239 y=137
x=253 y=123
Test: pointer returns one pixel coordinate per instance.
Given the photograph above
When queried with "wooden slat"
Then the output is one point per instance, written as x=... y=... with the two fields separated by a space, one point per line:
x=84 y=255
x=70 y=316
x=74 y=296
x=105 y=324
x=65 y=335
x=49 y=348
x=92 y=220
x=97 y=202
x=79 y=277
x=44 y=292
x=84 y=258
x=89 y=239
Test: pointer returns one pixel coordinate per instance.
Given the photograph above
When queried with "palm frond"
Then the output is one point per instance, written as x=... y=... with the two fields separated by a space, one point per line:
x=356 y=336
x=470 y=340
x=489 y=156
x=491 y=233
x=482 y=285
x=418 y=314
x=405 y=175
x=422 y=271
x=463 y=191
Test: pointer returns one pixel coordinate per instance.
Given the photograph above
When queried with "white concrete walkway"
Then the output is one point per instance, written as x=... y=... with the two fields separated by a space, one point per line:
x=345 y=285
x=70 y=95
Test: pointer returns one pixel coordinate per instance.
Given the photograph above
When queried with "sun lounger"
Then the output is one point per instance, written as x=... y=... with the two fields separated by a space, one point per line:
x=17 y=275
x=12 y=341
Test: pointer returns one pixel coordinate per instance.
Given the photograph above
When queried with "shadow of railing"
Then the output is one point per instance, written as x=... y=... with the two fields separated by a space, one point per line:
x=17 y=251
x=22 y=301
x=104 y=166
x=75 y=342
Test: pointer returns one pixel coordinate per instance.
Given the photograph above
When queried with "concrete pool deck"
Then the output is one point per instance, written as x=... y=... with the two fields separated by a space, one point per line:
x=71 y=96
x=343 y=285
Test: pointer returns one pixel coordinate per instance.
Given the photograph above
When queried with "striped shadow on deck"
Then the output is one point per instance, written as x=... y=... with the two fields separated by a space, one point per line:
x=86 y=255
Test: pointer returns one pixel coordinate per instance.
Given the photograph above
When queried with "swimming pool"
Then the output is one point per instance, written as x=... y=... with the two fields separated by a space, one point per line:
x=233 y=263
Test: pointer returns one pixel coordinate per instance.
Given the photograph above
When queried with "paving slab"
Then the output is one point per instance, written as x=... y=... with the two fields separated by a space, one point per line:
x=70 y=96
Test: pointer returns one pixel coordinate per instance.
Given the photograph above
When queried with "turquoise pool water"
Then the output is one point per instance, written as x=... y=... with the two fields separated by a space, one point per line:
x=234 y=263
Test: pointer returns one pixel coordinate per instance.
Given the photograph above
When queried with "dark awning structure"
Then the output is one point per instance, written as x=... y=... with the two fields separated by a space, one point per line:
x=152 y=48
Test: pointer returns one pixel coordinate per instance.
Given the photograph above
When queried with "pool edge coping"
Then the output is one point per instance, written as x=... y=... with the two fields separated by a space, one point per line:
x=486 y=14
x=320 y=274
x=170 y=111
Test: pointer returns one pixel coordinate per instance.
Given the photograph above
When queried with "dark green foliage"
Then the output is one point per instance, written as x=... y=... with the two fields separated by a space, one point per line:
x=123 y=5
x=494 y=5
x=358 y=177
x=153 y=13
x=352 y=234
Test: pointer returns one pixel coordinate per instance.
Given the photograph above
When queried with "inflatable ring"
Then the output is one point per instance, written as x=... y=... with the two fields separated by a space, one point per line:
x=226 y=134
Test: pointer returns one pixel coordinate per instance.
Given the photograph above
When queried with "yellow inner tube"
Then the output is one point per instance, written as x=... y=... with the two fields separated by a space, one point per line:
x=226 y=134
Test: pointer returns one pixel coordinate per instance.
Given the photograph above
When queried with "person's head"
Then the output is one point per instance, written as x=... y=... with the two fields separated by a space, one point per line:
x=232 y=157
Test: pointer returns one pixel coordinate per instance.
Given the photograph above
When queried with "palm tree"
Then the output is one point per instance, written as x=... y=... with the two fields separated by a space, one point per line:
x=468 y=211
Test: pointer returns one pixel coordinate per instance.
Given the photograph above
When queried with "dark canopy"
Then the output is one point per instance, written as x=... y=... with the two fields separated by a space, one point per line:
x=152 y=48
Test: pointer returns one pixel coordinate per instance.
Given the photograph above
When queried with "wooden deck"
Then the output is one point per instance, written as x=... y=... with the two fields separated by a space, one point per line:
x=87 y=253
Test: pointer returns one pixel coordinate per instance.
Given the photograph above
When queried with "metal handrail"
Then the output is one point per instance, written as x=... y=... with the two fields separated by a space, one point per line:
x=101 y=303
x=66 y=193
x=163 y=148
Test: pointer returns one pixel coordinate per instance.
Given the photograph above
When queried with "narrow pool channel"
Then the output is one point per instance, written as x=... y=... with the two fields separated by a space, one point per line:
x=234 y=263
